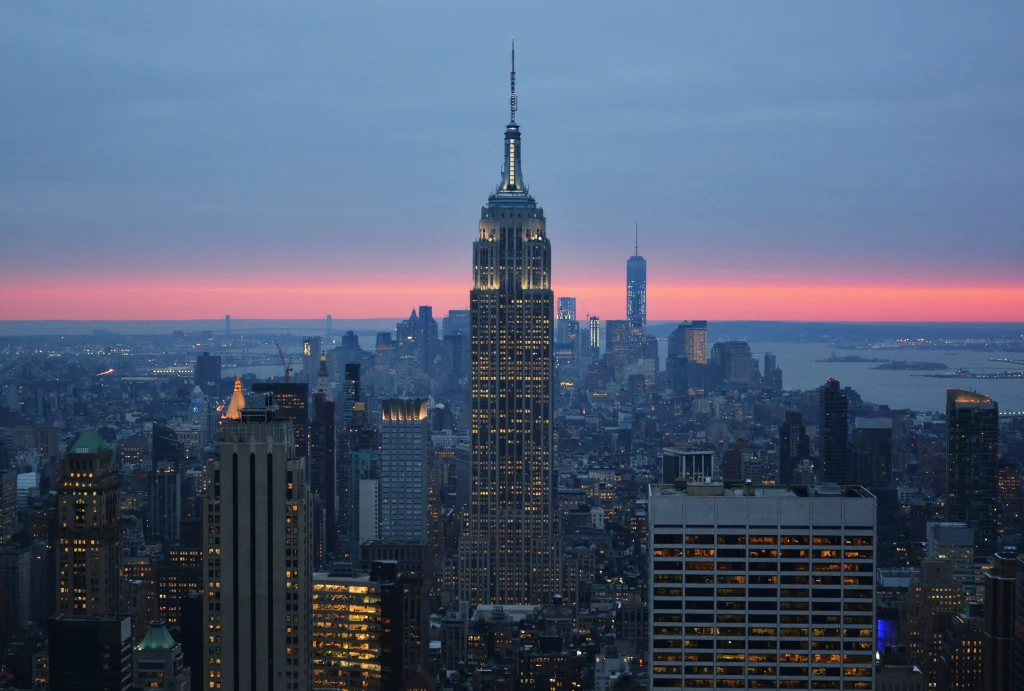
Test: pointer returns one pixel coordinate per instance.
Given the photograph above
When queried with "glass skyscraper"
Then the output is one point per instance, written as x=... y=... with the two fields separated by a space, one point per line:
x=636 y=294
x=510 y=552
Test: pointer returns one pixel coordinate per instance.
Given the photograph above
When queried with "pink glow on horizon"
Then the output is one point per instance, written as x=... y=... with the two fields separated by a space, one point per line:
x=272 y=297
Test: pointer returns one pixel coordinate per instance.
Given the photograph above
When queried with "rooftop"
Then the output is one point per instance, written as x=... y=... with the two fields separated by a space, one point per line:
x=157 y=638
x=90 y=442
x=719 y=489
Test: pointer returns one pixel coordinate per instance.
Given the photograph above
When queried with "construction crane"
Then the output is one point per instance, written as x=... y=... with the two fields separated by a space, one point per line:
x=287 y=364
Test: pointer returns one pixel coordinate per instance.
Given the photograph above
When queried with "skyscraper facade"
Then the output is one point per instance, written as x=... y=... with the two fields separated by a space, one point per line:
x=690 y=340
x=89 y=530
x=405 y=449
x=292 y=401
x=258 y=564
x=510 y=553
x=761 y=587
x=972 y=450
x=207 y=370
x=311 y=347
x=636 y=294
x=834 y=433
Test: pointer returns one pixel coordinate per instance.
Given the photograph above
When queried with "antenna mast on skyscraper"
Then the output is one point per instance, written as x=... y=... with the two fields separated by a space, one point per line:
x=512 y=98
x=636 y=239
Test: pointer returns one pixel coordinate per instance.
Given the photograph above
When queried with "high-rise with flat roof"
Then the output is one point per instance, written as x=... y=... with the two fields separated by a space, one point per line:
x=872 y=451
x=510 y=553
x=405 y=451
x=834 y=433
x=258 y=560
x=972 y=451
x=761 y=586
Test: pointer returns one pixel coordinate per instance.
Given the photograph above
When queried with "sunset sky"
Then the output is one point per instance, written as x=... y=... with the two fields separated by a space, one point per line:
x=784 y=160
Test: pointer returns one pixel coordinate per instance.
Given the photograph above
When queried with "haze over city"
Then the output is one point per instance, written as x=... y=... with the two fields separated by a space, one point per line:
x=785 y=161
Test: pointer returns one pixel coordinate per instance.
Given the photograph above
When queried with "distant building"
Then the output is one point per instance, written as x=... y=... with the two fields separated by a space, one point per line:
x=15 y=591
x=690 y=340
x=619 y=342
x=207 y=370
x=89 y=514
x=8 y=505
x=636 y=295
x=794 y=446
x=872 y=451
x=566 y=320
x=405 y=451
x=734 y=363
x=323 y=468
x=972 y=450
x=746 y=552
x=90 y=652
x=165 y=503
x=292 y=401
x=834 y=434
x=593 y=339
x=772 y=379
x=312 y=347
x=690 y=465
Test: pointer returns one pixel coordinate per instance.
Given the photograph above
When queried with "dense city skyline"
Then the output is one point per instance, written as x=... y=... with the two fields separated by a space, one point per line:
x=833 y=167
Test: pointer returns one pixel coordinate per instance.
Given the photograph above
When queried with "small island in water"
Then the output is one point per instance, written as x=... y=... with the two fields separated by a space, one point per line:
x=851 y=358
x=906 y=365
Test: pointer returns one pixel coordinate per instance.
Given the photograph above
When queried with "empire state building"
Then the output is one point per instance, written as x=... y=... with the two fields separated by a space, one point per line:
x=510 y=552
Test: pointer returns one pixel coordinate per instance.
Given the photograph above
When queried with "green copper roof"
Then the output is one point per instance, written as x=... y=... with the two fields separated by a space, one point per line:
x=89 y=441
x=157 y=638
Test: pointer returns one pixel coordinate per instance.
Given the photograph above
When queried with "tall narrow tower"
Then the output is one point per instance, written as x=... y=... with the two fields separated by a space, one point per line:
x=636 y=292
x=510 y=554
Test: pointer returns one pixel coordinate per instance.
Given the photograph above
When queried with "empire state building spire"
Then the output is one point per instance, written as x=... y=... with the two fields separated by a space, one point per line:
x=512 y=185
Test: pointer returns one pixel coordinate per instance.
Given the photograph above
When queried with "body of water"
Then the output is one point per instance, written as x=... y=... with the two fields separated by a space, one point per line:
x=895 y=388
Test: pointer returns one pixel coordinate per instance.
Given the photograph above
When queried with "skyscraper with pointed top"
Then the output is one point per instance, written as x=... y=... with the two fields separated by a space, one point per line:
x=510 y=552
x=636 y=291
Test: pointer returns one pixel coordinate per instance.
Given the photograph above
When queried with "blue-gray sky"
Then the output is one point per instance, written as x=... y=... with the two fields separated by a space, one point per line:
x=867 y=143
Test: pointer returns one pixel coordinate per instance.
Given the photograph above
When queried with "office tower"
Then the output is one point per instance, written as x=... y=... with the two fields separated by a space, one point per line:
x=998 y=637
x=833 y=433
x=8 y=504
x=595 y=336
x=872 y=451
x=636 y=292
x=794 y=445
x=330 y=326
x=510 y=552
x=165 y=503
x=932 y=592
x=972 y=450
x=954 y=542
x=311 y=349
x=323 y=469
x=227 y=326
x=90 y=653
x=237 y=402
x=367 y=630
x=619 y=343
x=734 y=363
x=207 y=370
x=772 y=380
x=292 y=402
x=166 y=448
x=457 y=322
x=761 y=587
x=159 y=661
x=566 y=314
x=15 y=590
x=1009 y=497
x=404 y=448
x=258 y=563
x=960 y=662
x=690 y=340
x=89 y=533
